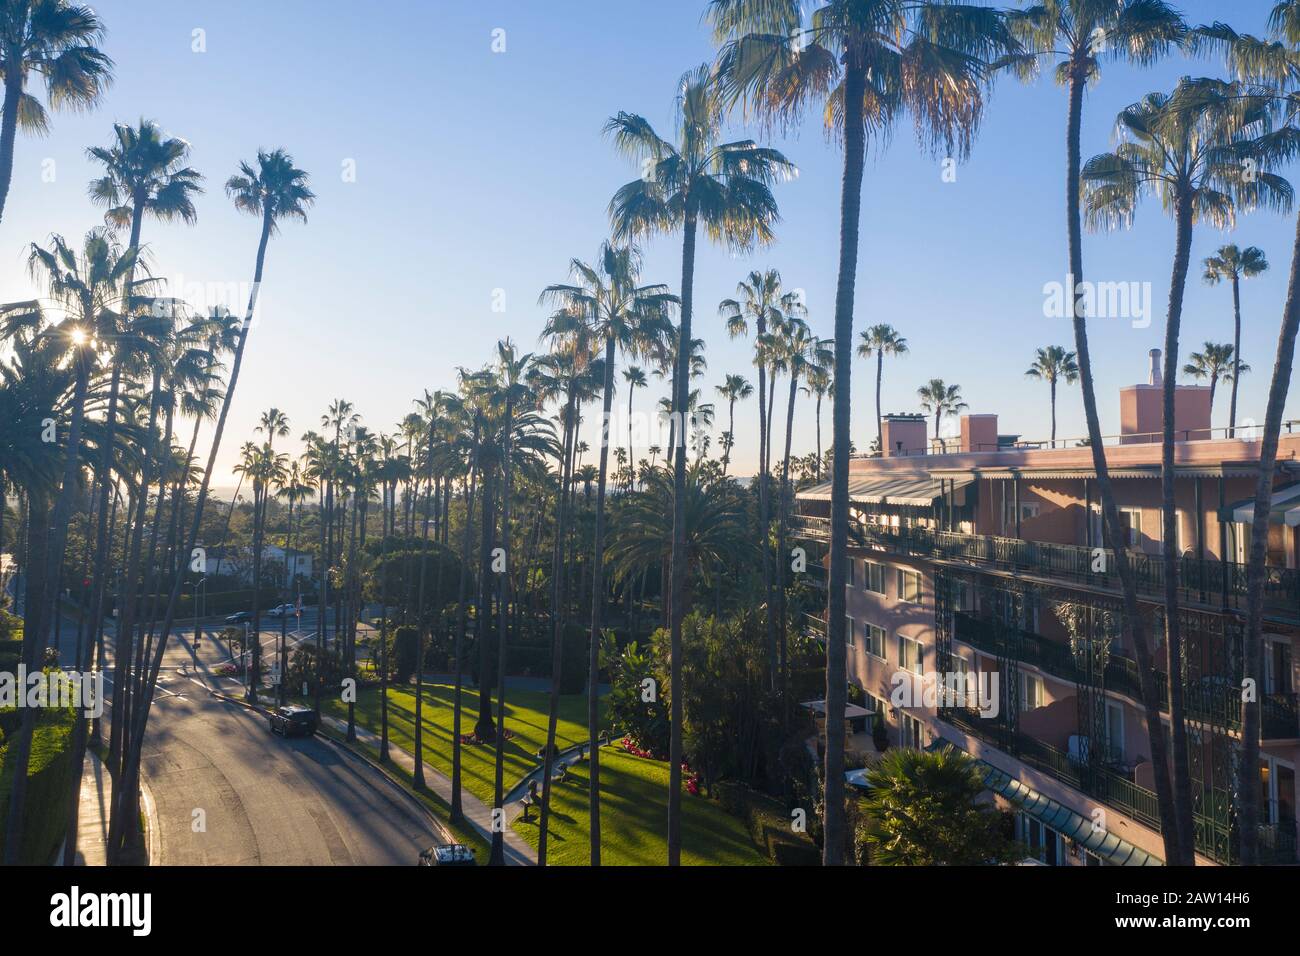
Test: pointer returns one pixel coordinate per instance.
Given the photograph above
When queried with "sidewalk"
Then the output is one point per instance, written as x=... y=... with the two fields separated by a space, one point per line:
x=477 y=813
x=92 y=814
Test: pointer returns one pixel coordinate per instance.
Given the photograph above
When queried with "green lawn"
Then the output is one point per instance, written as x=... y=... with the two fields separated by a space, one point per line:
x=525 y=718
x=634 y=819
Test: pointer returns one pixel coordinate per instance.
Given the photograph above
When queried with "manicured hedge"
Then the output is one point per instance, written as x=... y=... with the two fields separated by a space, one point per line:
x=48 y=787
x=769 y=824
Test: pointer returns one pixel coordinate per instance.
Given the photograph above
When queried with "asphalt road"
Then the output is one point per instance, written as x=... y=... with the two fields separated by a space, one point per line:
x=226 y=791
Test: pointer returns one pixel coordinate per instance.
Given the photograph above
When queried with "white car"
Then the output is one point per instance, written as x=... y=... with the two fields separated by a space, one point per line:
x=282 y=610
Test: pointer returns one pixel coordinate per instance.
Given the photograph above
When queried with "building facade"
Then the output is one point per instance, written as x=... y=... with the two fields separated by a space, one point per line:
x=985 y=612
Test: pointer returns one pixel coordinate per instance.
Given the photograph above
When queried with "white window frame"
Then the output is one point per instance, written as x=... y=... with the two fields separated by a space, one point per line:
x=903 y=574
x=903 y=662
x=848 y=631
x=873 y=577
x=875 y=641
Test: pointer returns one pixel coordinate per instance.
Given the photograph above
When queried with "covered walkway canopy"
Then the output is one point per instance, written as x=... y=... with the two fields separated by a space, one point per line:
x=1075 y=826
x=1284 y=508
x=919 y=491
x=851 y=711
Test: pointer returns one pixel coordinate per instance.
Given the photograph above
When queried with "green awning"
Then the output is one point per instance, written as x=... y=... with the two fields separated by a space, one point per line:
x=1059 y=817
x=917 y=491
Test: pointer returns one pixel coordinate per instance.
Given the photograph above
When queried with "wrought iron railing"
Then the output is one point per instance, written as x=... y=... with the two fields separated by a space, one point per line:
x=1203 y=580
x=1280 y=719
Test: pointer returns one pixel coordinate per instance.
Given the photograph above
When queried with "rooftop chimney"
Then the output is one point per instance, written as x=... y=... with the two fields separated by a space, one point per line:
x=1153 y=374
x=1141 y=409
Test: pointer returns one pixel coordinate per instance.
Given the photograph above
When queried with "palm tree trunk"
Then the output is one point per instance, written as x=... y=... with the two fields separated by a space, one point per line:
x=1236 y=356
x=9 y=132
x=557 y=618
x=457 y=814
x=764 y=514
x=498 y=857
x=1248 y=793
x=1052 y=386
x=880 y=427
x=1169 y=542
x=836 y=681
x=485 y=727
x=417 y=777
x=682 y=386
x=781 y=556
x=1134 y=627
x=597 y=600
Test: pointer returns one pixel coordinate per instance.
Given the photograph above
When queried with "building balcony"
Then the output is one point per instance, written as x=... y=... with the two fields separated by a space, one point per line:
x=1277 y=841
x=1211 y=700
x=1203 y=581
x=1279 y=718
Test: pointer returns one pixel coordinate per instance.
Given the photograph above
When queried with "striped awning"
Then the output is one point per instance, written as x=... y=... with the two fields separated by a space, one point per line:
x=1284 y=509
x=919 y=491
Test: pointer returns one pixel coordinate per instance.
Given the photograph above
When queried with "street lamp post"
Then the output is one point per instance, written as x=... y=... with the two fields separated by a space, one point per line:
x=198 y=635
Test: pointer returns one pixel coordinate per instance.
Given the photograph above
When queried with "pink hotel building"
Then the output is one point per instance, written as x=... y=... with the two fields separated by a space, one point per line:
x=986 y=556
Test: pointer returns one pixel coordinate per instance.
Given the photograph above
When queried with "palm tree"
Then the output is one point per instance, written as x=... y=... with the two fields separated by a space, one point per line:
x=620 y=313
x=799 y=352
x=1216 y=363
x=58 y=40
x=1051 y=365
x=726 y=188
x=865 y=63
x=1234 y=264
x=1197 y=150
x=940 y=399
x=513 y=392
x=734 y=388
x=635 y=377
x=820 y=384
x=274 y=190
x=881 y=340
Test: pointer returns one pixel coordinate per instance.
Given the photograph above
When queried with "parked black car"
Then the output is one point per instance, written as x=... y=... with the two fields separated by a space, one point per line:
x=293 y=721
x=240 y=617
x=448 y=854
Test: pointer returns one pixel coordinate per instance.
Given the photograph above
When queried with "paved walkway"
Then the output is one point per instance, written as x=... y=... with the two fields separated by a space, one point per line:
x=93 y=811
x=477 y=813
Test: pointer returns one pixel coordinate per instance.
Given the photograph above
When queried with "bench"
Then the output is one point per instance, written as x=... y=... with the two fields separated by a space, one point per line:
x=527 y=802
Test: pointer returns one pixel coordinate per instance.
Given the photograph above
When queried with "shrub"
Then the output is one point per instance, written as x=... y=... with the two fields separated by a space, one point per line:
x=48 y=787
x=406 y=649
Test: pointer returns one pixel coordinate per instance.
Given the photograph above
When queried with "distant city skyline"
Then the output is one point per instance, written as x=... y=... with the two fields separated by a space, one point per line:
x=461 y=175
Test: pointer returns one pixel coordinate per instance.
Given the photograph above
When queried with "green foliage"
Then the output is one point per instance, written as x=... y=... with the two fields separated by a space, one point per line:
x=731 y=716
x=923 y=809
x=770 y=825
x=645 y=721
x=405 y=652
x=48 y=784
x=398 y=575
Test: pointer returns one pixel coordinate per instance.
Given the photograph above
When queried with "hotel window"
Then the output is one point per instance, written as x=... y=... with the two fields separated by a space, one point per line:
x=1031 y=691
x=851 y=578
x=911 y=655
x=909 y=586
x=848 y=632
x=910 y=732
x=874 y=578
x=876 y=641
x=1027 y=510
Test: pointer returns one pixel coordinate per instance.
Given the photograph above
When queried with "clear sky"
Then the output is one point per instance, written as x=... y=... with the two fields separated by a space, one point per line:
x=478 y=171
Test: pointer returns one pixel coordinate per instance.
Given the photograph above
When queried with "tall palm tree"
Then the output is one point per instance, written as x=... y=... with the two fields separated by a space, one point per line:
x=1067 y=33
x=694 y=181
x=635 y=377
x=800 y=352
x=1270 y=61
x=621 y=314
x=940 y=400
x=59 y=40
x=1051 y=365
x=1233 y=264
x=820 y=384
x=761 y=299
x=513 y=393
x=1215 y=363
x=863 y=64
x=734 y=388
x=273 y=190
x=1197 y=150
x=881 y=340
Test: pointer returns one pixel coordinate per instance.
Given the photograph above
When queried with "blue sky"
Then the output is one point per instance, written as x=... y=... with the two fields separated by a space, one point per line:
x=479 y=171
